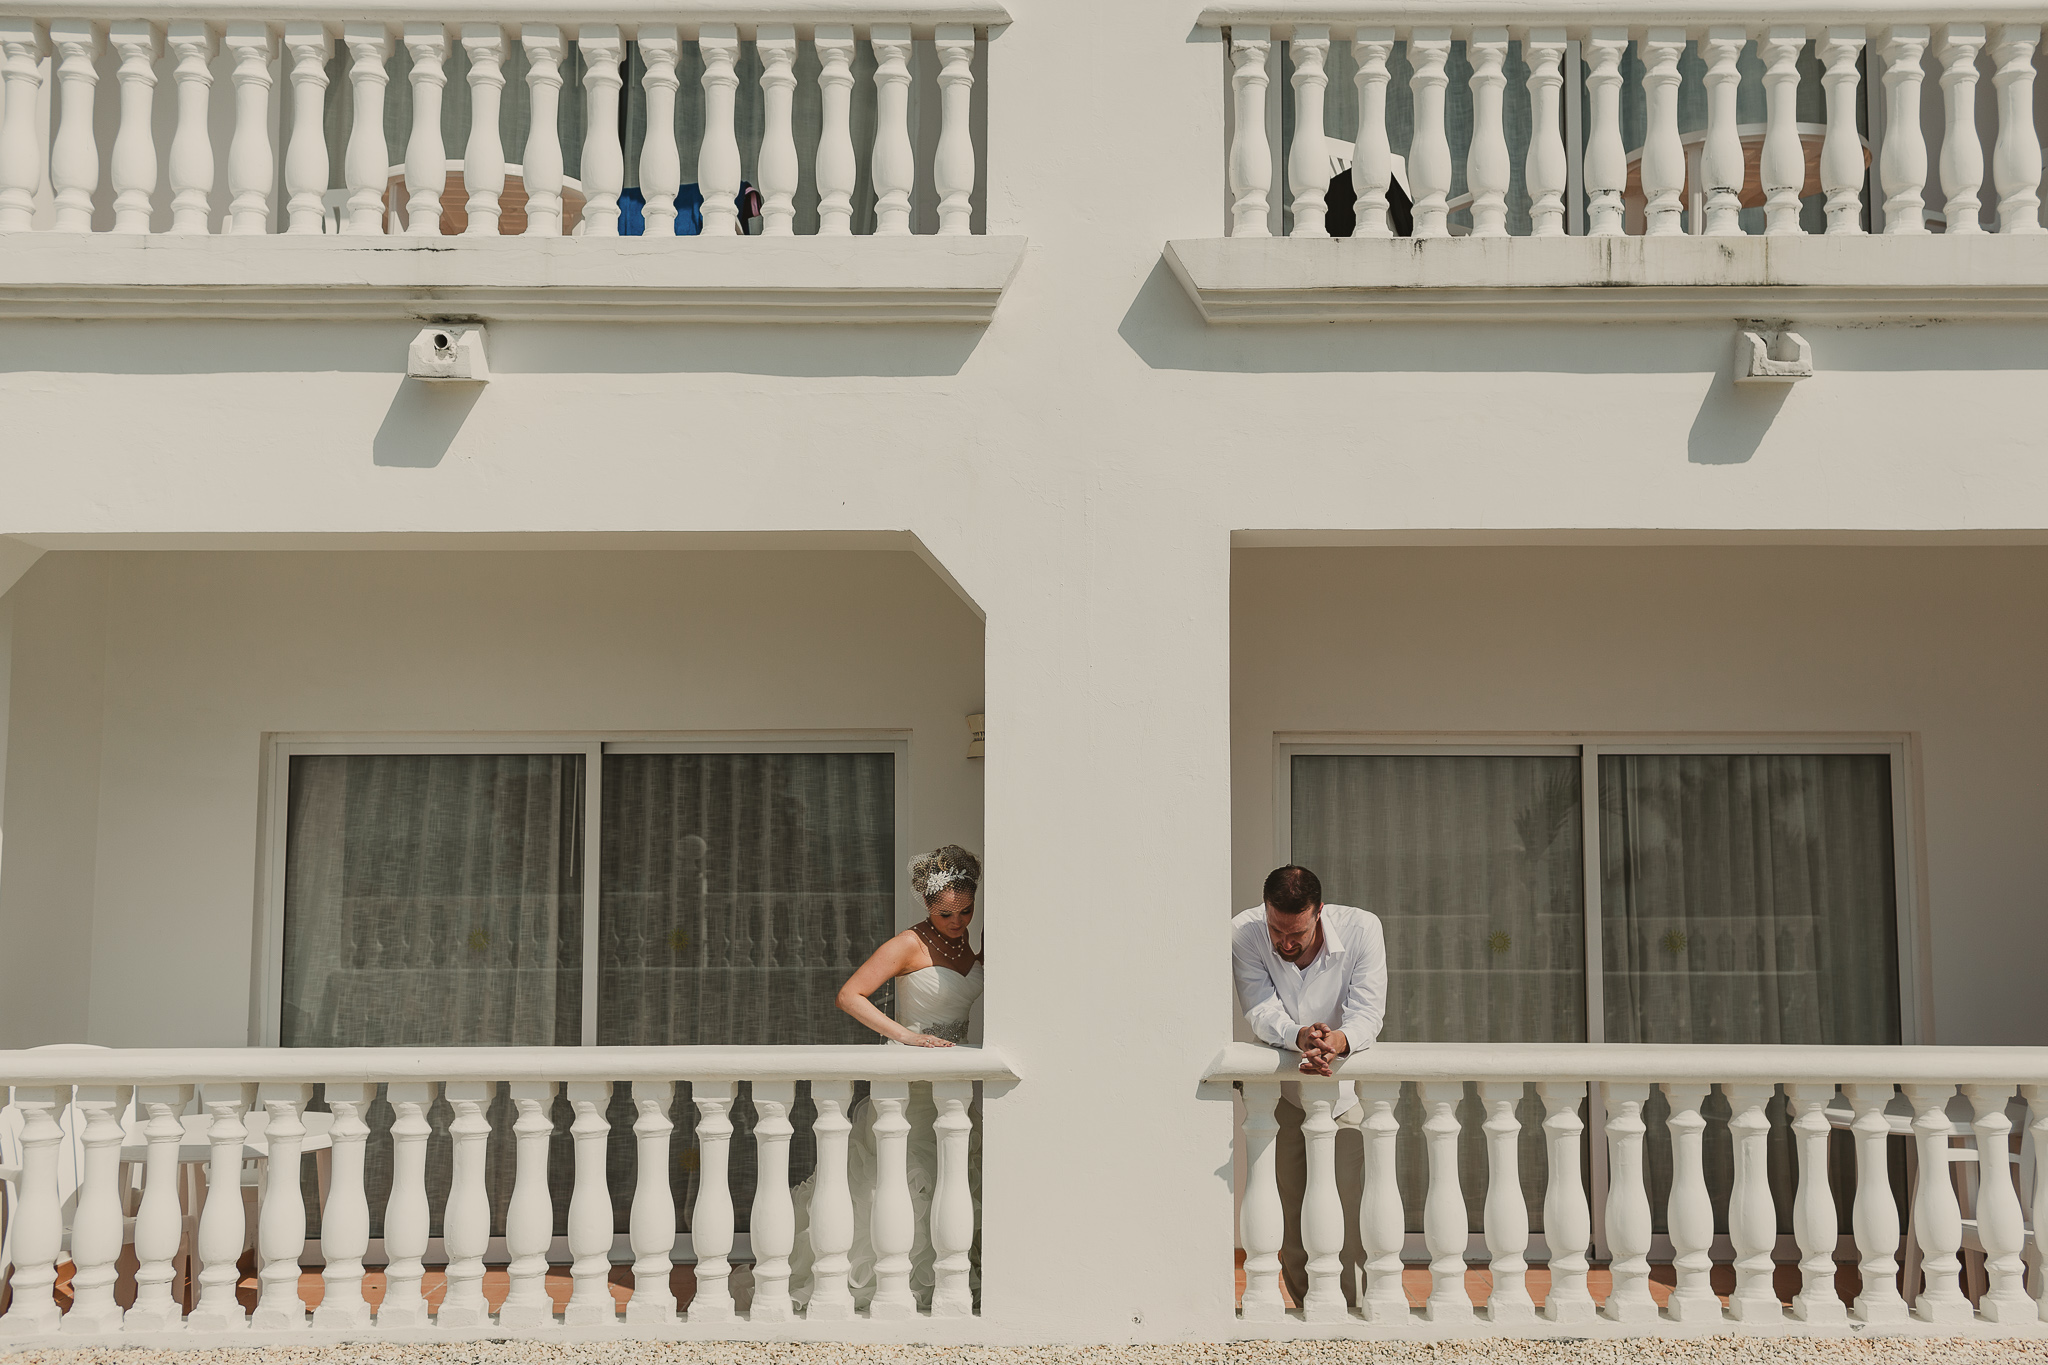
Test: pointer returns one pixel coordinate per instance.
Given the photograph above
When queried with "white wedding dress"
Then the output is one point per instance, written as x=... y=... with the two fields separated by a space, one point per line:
x=933 y=1000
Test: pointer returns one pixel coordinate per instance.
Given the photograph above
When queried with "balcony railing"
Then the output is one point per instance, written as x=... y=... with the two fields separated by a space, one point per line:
x=1932 y=1097
x=103 y=1097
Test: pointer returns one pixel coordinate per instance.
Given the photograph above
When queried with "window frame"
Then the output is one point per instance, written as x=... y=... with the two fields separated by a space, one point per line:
x=267 y=976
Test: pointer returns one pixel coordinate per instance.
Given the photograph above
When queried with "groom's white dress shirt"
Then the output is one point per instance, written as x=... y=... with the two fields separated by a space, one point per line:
x=1345 y=987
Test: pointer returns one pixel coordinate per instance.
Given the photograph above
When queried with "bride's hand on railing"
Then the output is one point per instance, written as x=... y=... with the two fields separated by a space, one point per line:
x=924 y=1040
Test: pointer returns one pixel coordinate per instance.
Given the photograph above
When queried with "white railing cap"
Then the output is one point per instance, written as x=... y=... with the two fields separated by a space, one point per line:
x=369 y=1065
x=1345 y=19
x=1638 y=1063
x=569 y=14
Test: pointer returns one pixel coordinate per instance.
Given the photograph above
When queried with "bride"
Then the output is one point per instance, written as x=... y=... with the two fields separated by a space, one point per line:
x=938 y=979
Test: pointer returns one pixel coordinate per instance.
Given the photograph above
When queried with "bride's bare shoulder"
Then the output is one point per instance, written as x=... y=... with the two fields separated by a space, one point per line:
x=908 y=952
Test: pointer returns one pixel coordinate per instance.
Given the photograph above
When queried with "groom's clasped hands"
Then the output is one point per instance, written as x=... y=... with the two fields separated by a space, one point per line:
x=1321 y=1047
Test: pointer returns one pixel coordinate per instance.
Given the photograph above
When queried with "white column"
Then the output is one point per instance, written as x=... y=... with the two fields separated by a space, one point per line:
x=223 y=1228
x=1251 y=152
x=651 y=1224
x=1429 y=149
x=1814 y=1223
x=604 y=162
x=1260 y=1220
x=159 y=1222
x=953 y=1202
x=405 y=1212
x=1322 y=1212
x=1606 y=159
x=466 y=1218
x=96 y=1217
x=1689 y=1213
x=777 y=162
x=191 y=160
x=345 y=1217
x=953 y=163
x=1937 y=1219
x=1628 y=1207
x=530 y=1218
x=1308 y=165
x=1841 y=153
x=1663 y=154
x=2016 y=156
x=718 y=154
x=1902 y=161
x=74 y=152
x=2001 y=1228
x=366 y=162
x=1443 y=1207
x=1545 y=170
x=893 y=166
x=305 y=156
x=21 y=156
x=132 y=168
x=1752 y=1217
x=1721 y=159
x=1876 y=1216
x=281 y=1217
x=1567 y=1221
x=1507 y=1215
x=1372 y=163
x=541 y=161
x=1382 y=1223
x=711 y=1220
x=831 y=1212
x=891 y=1225
x=2036 y=1097
x=1784 y=157
x=835 y=164
x=252 y=167
x=1486 y=163
x=483 y=157
x=1962 y=156
x=38 y=1220
x=590 y=1199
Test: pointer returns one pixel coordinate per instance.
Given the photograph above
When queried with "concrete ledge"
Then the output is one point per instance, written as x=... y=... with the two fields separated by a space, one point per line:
x=1613 y=279
x=955 y=280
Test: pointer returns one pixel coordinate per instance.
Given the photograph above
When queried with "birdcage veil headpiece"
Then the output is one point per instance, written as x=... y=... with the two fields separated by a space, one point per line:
x=934 y=873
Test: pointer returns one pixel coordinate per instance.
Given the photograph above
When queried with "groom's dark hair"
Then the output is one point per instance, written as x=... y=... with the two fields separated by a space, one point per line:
x=1293 y=889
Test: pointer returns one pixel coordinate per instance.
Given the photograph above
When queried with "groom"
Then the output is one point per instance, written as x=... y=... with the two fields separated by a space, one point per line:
x=1312 y=978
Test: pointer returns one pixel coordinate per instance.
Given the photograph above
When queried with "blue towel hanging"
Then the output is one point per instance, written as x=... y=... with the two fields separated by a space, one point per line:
x=689 y=210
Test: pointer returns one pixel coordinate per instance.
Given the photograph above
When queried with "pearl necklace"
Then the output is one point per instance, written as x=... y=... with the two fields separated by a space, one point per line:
x=940 y=945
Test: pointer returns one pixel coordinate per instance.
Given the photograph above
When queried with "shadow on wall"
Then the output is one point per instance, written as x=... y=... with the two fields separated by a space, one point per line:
x=1733 y=419
x=422 y=422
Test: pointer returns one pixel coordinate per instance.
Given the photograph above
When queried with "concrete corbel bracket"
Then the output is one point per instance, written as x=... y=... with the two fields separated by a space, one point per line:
x=1767 y=354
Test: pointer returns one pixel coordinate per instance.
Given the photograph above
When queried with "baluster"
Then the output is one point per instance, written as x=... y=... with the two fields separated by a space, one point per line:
x=1443 y=1209
x=778 y=168
x=281 y=1217
x=74 y=154
x=405 y=1212
x=191 y=145
x=1784 y=157
x=1962 y=156
x=530 y=1218
x=1902 y=161
x=2016 y=156
x=345 y=1217
x=21 y=156
x=252 y=168
x=1690 y=1213
x=132 y=165
x=159 y=1223
x=1663 y=153
x=1261 y=1221
x=1507 y=1215
x=541 y=161
x=1372 y=163
x=952 y=1228
x=1382 y=1223
x=1429 y=150
x=661 y=166
x=1308 y=165
x=718 y=154
x=2036 y=1097
x=2001 y=1230
x=1876 y=1216
x=1544 y=171
x=893 y=167
x=1606 y=169
x=1752 y=1218
x=835 y=165
x=1721 y=158
x=38 y=1226
x=953 y=164
x=1251 y=152
x=1322 y=1212
x=590 y=1200
x=1937 y=1219
x=1486 y=163
x=426 y=158
x=96 y=1218
x=831 y=1212
x=652 y=1223
x=305 y=156
x=711 y=1220
x=222 y=1225
x=365 y=164
x=772 y=1222
x=891 y=1224
x=1567 y=1221
x=1813 y=1211
x=1628 y=1208
x=466 y=1218
x=1841 y=153
x=483 y=157
x=604 y=163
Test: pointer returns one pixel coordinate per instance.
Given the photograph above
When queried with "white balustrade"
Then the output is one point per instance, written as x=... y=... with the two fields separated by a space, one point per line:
x=835 y=165
x=1251 y=156
x=893 y=165
x=1783 y=169
x=542 y=159
x=1381 y=1223
x=1841 y=153
x=405 y=1212
x=2001 y=1227
x=604 y=161
x=652 y=1221
x=281 y=1216
x=1567 y=1217
x=1876 y=1217
x=483 y=158
x=1308 y=165
x=309 y=45
x=369 y=47
x=1902 y=163
x=74 y=155
x=952 y=1219
x=778 y=161
x=2036 y=1097
x=831 y=1208
x=530 y=1217
x=772 y=1220
x=1689 y=1214
x=1962 y=156
x=345 y=1217
x=191 y=160
x=1322 y=1212
x=222 y=1225
x=251 y=171
x=2016 y=156
x=711 y=1218
x=1372 y=163
x=953 y=163
x=892 y=1225
x=1628 y=1207
x=1814 y=1221
x=37 y=1235
x=159 y=1226
x=1547 y=168
x=1486 y=164
x=1429 y=153
x=1752 y=1218
x=426 y=159
x=1937 y=1218
x=1260 y=1229
x=590 y=1210
x=1507 y=1216
x=1443 y=1209
x=1721 y=160
x=21 y=88
x=1663 y=166
x=96 y=1218
x=466 y=1219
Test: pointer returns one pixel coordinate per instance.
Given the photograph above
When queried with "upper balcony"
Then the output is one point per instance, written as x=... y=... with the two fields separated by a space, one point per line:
x=1810 y=164
x=489 y=161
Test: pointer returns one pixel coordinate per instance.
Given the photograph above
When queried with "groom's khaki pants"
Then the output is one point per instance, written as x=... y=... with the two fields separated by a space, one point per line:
x=1290 y=1153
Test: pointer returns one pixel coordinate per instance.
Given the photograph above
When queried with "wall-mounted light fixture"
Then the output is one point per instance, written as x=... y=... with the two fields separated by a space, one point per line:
x=977 y=734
